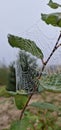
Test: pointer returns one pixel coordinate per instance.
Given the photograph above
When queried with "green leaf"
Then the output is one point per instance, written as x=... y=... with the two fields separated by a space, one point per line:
x=52 y=88
x=20 y=125
x=50 y=128
x=30 y=116
x=53 y=19
x=44 y=105
x=25 y=44
x=53 y=4
x=51 y=83
x=20 y=101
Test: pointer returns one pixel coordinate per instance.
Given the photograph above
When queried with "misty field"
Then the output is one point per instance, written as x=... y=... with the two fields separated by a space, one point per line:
x=35 y=118
x=10 y=113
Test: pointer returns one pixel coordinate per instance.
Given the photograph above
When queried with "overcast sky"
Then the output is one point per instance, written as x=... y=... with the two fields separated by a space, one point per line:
x=23 y=18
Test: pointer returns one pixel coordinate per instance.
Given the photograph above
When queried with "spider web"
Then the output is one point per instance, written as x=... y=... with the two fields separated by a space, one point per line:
x=51 y=77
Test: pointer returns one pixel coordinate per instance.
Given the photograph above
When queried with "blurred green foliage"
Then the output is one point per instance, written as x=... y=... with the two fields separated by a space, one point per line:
x=3 y=75
x=43 y=120
x=11 y=84
x=4 y=93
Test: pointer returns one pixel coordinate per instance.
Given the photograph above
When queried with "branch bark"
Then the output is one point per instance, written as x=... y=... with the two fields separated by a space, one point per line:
x=43 y=67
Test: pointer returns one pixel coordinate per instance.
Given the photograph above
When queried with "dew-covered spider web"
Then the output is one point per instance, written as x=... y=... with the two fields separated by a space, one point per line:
x=25 y=68
x=24 y=82
x=45 y=38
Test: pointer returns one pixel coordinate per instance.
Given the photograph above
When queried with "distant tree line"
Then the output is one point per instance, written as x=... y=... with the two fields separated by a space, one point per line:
x=3 y=75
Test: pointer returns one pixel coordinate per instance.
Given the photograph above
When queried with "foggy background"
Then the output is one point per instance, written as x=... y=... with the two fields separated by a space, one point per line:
x=23 y=18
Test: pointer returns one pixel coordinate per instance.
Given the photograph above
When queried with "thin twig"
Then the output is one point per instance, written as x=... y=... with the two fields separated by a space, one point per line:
x=54 y=49
x=43 y=67
x=59 y=45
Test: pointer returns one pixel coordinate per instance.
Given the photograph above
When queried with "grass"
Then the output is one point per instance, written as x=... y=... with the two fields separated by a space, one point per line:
x=3 y=92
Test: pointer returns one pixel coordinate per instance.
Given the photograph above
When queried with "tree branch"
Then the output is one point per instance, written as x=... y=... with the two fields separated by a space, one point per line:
x=43 y=67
